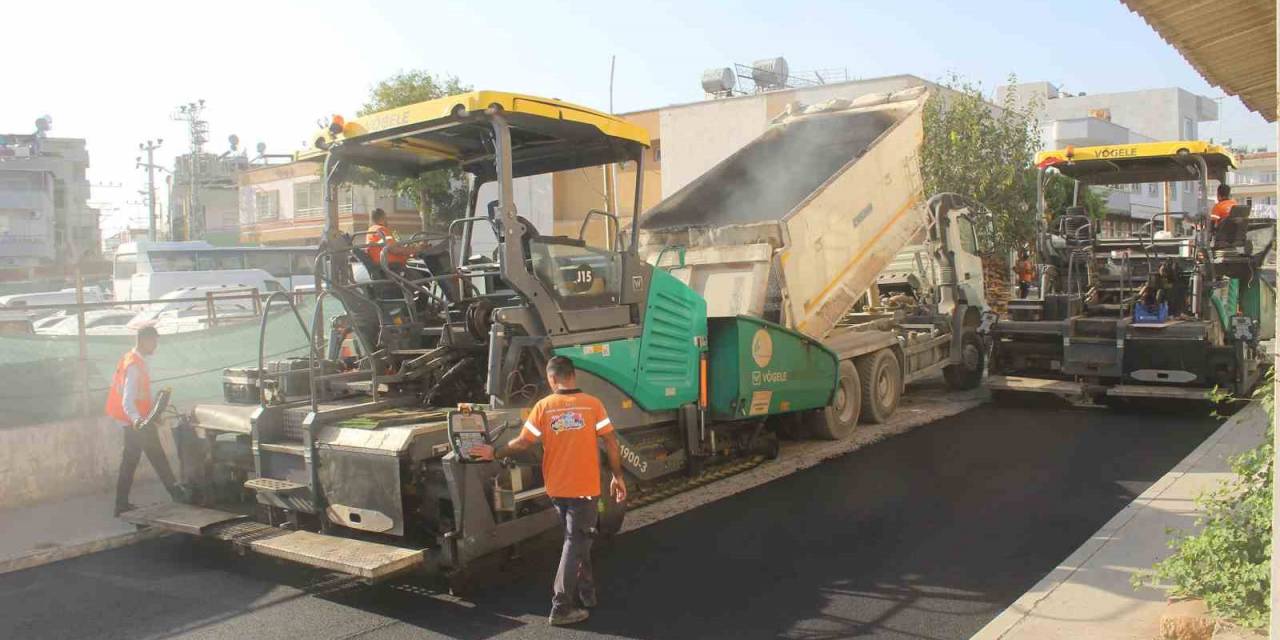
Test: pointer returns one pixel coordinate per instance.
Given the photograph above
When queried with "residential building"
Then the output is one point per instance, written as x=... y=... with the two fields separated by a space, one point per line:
x=1120 y=118
x=46 y=223
x=282 y=204
x=1253 y=182
x=111 y=242
x=217 y=218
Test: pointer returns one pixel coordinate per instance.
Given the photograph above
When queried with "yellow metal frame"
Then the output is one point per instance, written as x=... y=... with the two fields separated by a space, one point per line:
x=444 y=109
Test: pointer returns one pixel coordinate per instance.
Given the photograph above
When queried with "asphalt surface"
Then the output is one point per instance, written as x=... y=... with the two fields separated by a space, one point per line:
x=927 y=535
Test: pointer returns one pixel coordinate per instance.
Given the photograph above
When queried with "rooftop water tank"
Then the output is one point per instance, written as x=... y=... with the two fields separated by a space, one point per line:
x=718 y=81
x=770 y=73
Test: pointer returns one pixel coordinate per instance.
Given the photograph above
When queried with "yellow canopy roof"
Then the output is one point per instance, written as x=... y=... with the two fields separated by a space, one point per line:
x=1134 y=163
x=546 y=135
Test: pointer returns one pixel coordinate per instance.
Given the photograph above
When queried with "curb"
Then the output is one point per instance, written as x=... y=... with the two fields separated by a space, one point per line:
x=67 y=552
x=1008 y=620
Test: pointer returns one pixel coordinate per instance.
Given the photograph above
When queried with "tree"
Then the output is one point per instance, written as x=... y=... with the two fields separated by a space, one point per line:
x=1058 y=196
x=440 y=195
x=973 y=148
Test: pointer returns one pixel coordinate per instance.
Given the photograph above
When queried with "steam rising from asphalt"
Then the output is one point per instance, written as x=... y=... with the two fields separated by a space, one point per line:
x=766 y=179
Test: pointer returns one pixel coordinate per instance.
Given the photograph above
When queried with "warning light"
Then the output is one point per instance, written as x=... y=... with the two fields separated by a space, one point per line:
x=1071 y=151
x=336 y=125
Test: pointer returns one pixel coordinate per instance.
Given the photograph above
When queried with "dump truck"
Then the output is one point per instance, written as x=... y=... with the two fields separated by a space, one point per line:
x=354 y=458
x=820 y=225
x=1169 y=313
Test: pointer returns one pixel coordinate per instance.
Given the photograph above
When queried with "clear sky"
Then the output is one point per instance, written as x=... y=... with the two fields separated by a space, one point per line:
x=113 y=72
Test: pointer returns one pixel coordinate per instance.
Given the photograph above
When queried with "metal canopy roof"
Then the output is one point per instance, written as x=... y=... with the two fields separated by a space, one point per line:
x=1232 y=43
x=1138 y=163
x=546 y=135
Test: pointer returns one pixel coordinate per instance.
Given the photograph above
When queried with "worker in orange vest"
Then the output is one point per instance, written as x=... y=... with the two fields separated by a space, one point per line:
x=129 y=404
x=379 y=236
x=1222 y=210
x=1026 y=274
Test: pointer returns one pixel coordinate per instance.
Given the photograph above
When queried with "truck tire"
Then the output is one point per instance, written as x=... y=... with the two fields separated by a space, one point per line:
x=838 y=420
x=967 y=374
x=881 y=379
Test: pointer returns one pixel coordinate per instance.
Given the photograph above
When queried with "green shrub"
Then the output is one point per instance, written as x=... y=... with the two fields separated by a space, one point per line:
x=1228 y=563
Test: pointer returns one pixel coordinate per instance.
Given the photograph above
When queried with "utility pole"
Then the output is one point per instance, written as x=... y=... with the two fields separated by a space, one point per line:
x=150 y=147
x=192 y=113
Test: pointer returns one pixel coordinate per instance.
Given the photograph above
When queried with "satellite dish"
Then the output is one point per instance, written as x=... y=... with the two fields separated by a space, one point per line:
x=234 y=140
x=262 y=148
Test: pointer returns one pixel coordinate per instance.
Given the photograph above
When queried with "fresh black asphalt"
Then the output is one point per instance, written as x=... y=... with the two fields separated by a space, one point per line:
x=929 y=534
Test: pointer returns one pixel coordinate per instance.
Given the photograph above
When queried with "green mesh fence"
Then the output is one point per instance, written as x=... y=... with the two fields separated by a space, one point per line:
x=40 y=384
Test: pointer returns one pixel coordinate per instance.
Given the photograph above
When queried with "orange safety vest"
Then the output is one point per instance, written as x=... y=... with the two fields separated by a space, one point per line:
x=1026 y=271
x=115 y=394
x=377 y=236
x=1222 y=209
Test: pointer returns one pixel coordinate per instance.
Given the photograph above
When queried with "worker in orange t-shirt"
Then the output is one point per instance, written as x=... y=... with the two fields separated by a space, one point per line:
x=568 y=423
x=380 y=236
x=1222 y=210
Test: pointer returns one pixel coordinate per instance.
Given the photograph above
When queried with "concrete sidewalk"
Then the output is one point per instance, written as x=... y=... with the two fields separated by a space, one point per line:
x=1090 y=595
x=52 y=531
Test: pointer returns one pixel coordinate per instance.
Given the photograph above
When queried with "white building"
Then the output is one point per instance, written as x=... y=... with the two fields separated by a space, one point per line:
x=1254 y=182
x=217 y=218
x=1119 y=118
x=45 y=220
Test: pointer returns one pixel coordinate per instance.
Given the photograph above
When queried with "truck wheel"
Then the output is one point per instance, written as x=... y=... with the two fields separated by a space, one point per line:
x=967 y=374
x=881 y=385
x=837 y=421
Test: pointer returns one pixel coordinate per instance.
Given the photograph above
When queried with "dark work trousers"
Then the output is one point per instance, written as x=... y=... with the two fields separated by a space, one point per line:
x=1023 y=288
x=137 y=442
x=578 y=518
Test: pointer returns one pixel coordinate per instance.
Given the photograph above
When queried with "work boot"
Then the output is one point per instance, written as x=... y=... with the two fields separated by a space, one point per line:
x=121 y=508
x=587 y=599
x=567 y=617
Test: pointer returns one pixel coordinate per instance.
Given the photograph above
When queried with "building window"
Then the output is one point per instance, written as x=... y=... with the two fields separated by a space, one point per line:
x=308 y=198
x=1153 y=189
x=1188 y=129
x=404 y=202
x=266 y=204
x=345 y=196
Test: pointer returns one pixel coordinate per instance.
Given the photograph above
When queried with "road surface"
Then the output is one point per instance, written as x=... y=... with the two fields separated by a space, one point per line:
x=929 y=534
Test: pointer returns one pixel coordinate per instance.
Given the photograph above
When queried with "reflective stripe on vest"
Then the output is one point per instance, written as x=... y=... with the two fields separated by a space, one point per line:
x=115 y=394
